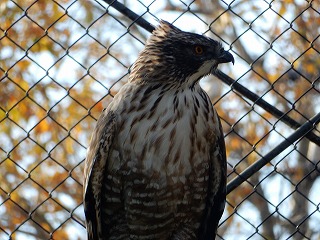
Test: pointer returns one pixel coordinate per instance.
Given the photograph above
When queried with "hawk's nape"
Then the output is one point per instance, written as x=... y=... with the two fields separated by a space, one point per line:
x=156 y=164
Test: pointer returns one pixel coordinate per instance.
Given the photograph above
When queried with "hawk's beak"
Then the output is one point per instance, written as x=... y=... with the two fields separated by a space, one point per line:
x=225 y=57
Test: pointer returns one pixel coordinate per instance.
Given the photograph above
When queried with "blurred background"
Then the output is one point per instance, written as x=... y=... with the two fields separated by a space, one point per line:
x=62 y=61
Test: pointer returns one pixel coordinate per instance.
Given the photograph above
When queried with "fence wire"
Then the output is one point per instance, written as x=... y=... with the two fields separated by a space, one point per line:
x=63 y=61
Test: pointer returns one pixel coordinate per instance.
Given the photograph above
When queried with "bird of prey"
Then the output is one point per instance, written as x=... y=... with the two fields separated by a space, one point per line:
x=156 y=164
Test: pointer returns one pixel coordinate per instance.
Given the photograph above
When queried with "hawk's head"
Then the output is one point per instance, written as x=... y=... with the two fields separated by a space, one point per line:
x=172 y=55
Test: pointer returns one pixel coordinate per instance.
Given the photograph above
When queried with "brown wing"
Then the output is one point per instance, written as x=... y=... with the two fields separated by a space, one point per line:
x=217 y=187
x=95 y=164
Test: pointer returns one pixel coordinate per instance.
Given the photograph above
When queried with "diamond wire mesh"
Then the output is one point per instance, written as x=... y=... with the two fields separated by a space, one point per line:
x=63 y=61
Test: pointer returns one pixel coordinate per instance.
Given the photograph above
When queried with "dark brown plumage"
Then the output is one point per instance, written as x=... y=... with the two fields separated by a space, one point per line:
x=156 y=164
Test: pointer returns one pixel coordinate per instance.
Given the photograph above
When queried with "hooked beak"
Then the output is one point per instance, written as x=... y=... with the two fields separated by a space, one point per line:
x=225 y=57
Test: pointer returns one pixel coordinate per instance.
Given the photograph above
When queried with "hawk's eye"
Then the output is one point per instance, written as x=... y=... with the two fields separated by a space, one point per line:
x=198 y=50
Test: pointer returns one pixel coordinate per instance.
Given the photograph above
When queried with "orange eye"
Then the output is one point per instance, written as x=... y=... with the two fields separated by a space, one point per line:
x=198 y=50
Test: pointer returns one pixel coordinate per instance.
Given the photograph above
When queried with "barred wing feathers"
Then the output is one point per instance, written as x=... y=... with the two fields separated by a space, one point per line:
x=96 y=162
x=217 y=187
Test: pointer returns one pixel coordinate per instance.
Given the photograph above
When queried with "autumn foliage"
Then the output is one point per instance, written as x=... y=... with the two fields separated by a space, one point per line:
x=61 y=62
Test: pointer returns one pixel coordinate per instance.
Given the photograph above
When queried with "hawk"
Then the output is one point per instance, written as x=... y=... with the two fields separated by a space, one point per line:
x=156 y=164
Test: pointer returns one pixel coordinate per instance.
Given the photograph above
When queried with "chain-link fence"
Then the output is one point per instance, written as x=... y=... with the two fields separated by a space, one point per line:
x=61 y=62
